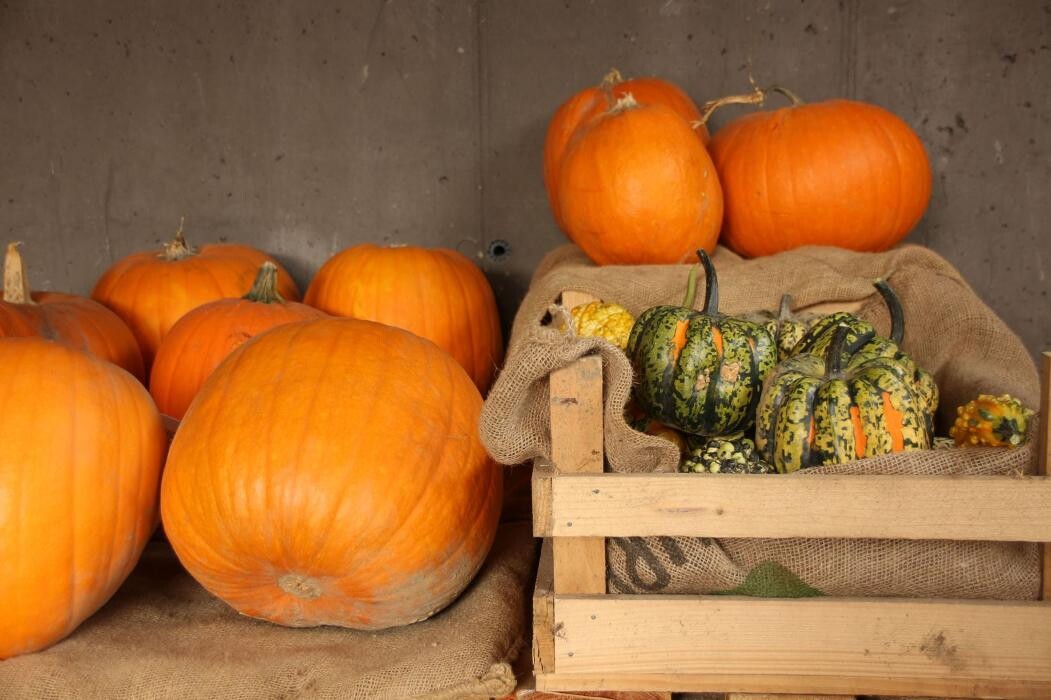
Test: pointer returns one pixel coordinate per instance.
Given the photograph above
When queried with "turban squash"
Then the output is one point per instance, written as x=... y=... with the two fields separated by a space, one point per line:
x=330 y=473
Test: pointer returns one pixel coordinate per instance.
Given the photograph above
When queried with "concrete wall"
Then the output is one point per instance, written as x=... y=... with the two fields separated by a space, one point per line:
x=304 y=127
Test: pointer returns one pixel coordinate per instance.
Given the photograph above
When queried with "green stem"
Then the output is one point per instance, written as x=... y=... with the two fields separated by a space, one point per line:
x=264 y=290
x=834 y=354
x=897 y=316
x=691 y=288
x=711 y=285
x=785 y=312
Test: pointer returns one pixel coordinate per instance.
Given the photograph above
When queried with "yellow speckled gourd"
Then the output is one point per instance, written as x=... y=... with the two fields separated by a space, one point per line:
x=991 y=421
x=603 y=320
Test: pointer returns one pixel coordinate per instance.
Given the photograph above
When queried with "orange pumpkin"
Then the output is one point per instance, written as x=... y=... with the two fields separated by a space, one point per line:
x=437 y=293
x=201 y=339
x=636 y=186
x=151 y=291
x=330 y=473
x=591 y=103
x=81 y=448
x=839 y=173
x=74 y=321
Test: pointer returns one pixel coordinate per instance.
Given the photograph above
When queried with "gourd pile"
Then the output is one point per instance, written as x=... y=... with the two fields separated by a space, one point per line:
x=633 y=177
x=327 y=468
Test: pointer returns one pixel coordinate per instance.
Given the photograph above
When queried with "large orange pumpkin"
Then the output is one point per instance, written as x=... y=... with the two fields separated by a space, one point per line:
x=330 y=473
x=438 y=294
x=75 y=321
x=81 y=448
x=201 y=339
x=636 y=186
x=840 y=173
x=591 y=103
x=151 y=291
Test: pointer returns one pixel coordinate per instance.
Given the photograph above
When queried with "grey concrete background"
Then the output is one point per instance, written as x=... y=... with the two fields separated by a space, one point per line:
x=304 y=127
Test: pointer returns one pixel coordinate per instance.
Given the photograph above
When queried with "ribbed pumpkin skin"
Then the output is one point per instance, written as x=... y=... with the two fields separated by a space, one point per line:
x=201 y=339
x=590 y=103
x=437 y=294
x=151 y=293
x=77 y=322
x=809 y=418
x=82 y=448
x=330 y=473
x=637 y=187
x=838 y=173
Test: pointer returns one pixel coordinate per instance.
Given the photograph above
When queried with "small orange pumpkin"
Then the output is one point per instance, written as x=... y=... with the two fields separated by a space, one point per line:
x=75 y=321
x=81 y=448
x=330 y=473
x=201 y=339
x=840 y=173
x=637 y=187
x=438 y=294
x=151 y=291
x=591 y=103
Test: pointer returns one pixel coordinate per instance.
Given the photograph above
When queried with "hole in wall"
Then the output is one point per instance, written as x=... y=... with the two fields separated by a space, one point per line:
x=499 y=250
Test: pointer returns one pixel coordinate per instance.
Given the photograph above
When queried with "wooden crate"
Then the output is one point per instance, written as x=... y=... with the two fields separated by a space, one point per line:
x=586 y=639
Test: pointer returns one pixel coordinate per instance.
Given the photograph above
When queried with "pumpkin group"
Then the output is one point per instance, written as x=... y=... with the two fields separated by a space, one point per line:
x=81 y=448
x=437 y=294
x=839 y=173
x=330 y=473
x=201 y=339
x=700 y=371
x=74 y=321
x=151 y=291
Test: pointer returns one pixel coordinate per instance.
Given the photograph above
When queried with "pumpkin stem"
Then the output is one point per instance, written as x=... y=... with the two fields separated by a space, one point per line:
x=691 y=288
x=611 y=79
x=756 y=97
x=176 y=248
x=16 y=283
x=897 y=316
x=834 y=354
x=711 y=284
x=785 y=312
x=264 y=290
x=624 y=103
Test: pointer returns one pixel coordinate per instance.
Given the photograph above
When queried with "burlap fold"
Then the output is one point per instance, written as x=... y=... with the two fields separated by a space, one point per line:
x=949 y=331
x=163 y=636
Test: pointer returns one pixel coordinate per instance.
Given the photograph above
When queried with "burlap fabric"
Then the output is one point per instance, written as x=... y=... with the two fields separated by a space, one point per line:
x=163 y=636
x=949 y=331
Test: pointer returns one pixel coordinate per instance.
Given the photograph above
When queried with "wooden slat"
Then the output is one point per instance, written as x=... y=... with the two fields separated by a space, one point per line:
x=572 y=298
x=974 y=641
x=781 y=696
x=1045 y=456
x=947 y=687
x=748 y=505
x=544 y=614
x=576 y=447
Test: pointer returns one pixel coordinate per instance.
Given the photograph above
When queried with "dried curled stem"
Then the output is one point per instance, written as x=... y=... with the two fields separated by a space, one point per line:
x=176 y=248
x=16 y=284
x=756 y=97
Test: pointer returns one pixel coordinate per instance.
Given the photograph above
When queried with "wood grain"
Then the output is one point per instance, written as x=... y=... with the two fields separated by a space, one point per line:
x=854 y=638
x=544 y=613
x=576 y=446
x=750 y=505
x=1044 y=466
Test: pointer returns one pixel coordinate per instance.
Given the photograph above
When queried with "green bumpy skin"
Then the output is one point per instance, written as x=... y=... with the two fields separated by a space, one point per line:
x=786 y=328
x=709 y=386
x=818 y=412
x=728 y=454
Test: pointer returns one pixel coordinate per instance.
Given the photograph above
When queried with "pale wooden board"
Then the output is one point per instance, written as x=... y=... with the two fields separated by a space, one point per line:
x=572 y=298
x=793 y=685
x=750 y=505
x=875 y=638
x=781 y=696
x=576 y=446
x=1044 y=466
x=544 y=613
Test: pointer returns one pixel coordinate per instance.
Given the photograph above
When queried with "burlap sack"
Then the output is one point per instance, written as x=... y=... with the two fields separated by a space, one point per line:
x=949 y=331
x=163 y=636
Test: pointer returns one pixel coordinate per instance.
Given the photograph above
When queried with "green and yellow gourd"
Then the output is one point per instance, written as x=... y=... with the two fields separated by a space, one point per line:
x=785 y=327
x=818 y=411
x=699 y=371
x=863 y=340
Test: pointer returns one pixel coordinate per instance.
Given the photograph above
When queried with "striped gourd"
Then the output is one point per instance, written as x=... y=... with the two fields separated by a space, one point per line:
x=818 y=411
x=785 y=327
x=700 y=371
